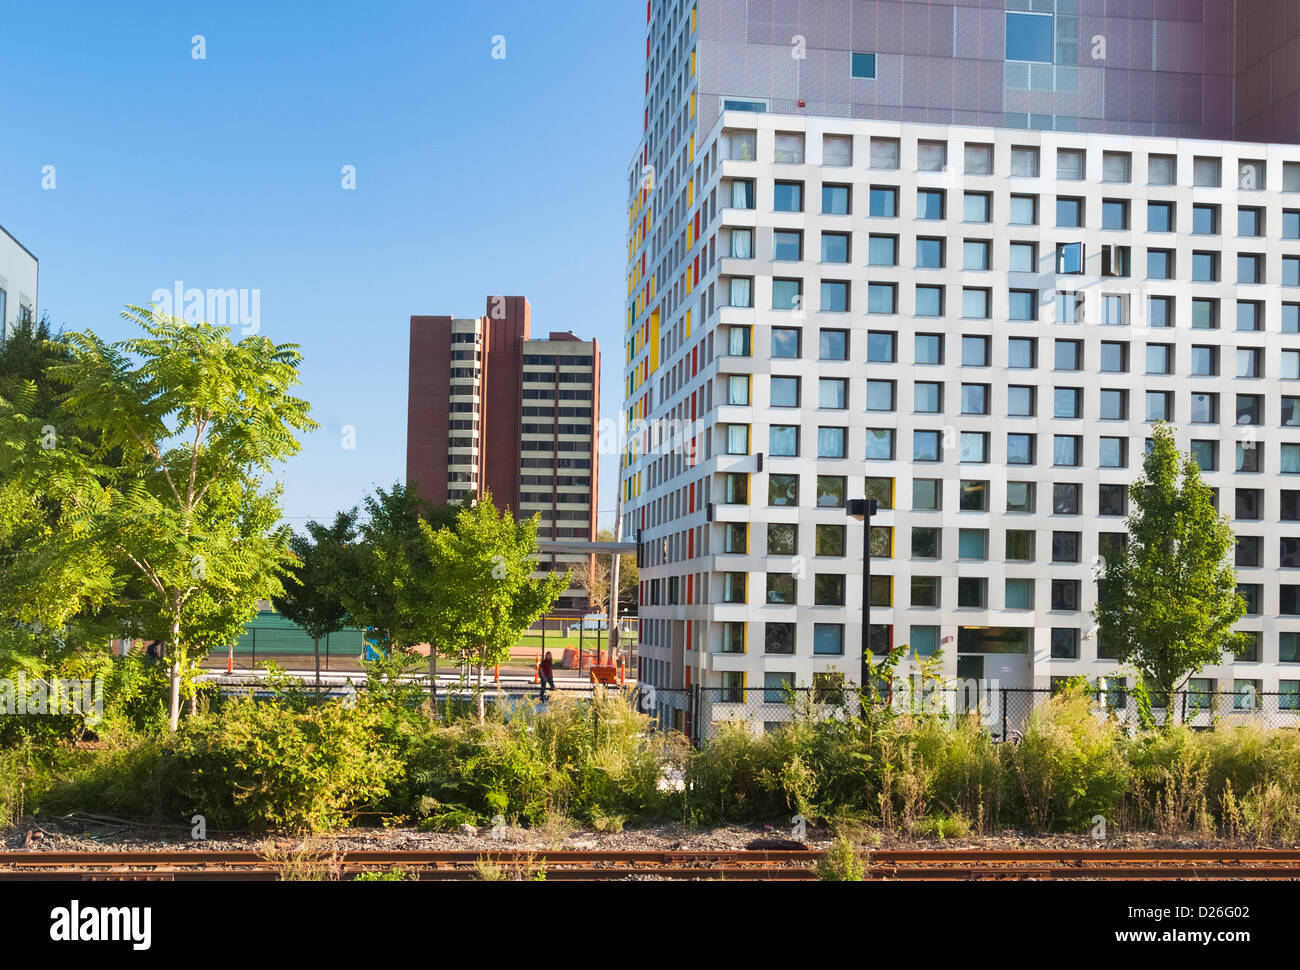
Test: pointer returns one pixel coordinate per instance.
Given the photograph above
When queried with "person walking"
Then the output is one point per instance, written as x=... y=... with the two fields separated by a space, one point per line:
x=546 y=674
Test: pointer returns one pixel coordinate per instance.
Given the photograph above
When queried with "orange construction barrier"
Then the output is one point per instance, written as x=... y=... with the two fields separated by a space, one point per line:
x=620 y=670
x=604 y=674
x=496 y=674
x=537 y=667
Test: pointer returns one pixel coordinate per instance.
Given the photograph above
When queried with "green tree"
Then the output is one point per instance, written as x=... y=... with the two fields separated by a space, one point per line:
x=51 y=569
x=389 y=576
x=169 y=486
x=313 y=596
x=1167 y=600
x=486 y=595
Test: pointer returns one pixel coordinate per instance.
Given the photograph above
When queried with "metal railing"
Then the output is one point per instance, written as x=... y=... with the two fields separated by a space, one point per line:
x=702 y=712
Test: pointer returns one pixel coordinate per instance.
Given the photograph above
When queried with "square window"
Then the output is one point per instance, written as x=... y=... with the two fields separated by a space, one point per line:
x=1030 y=37
x=1114 y=357
x=1160 y=264
x=926 y=494
x=1019 y=594
x=1024 y=257
x=975 y=351
x=1162 y=169
x=1114 y=404
x=1116 y=167
x=972 y=593
x=785 y=342
x=927 y=397
x=784 y=392
x=926 y=542
x=787 y=294
x=1020 y=496
x=1069 y=258
x=787 y=245
x=974 y=303
x=835 y=247
x=1020 y=401
x=974 y=447
x=1114 y=214
x=782 y=539
x=1020 y=449
x=882 y=250
x=1066 y=498
x=834 y=296
x=1024 y=162
x=929 y=301
x=1022 y=352
x=1113 y=453
x=884 y=202
x=1207 y=172
x=929 y=253
x=979 y=159
x=1065 y=643
x=833 y=392
x=833 y=345
x=1020 y=545
x=1065 y=451
x=1070 y=164
x=863 y=65
x=831 y=442
x=929 y=348
x=1069 y=355
x=975 y=399
x=880 y=444
x=1069 y=213
x=1024 y=210
x=1065 y=546
x=1067 y=402
x=783 y=440
x=1112 y=500
x=925 y=591
x=881 y=347
x=830 y=540
x=975 y=254
x=882 y=297
x=974 y=496
x=835 y=200
x=929 y=204
x=783 y=490
x=1065 y=595
x=976 y=207
x=788 y=197
x=1160 y=217
x=1205 y=314
x=927 y=445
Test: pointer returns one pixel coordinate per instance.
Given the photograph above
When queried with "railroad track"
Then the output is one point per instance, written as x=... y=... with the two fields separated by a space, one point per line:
x=740 y=865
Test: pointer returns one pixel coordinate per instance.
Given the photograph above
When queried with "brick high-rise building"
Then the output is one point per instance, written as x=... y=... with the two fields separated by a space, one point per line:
x=493 y=410
x=956 y=256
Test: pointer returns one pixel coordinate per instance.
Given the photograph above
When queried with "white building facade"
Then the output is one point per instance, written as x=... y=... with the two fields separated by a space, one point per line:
x=976 y=326
x=18 y=274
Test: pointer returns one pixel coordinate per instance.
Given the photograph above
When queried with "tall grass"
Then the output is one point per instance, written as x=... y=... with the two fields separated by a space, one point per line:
x=293 y=764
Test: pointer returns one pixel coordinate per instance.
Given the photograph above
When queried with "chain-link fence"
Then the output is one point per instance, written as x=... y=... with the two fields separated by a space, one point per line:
x=702 y=712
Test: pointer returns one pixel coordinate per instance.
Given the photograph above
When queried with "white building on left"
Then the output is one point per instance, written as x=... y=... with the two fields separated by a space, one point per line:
x=18 y=269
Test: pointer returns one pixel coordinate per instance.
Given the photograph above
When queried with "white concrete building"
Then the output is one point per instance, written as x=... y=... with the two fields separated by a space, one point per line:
x=17 y=283
x=977 y=325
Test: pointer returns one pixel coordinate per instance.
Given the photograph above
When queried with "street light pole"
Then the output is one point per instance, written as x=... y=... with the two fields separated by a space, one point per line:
x=864 y=509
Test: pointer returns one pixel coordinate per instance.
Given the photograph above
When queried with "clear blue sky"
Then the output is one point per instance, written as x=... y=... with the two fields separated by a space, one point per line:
x=474 y=176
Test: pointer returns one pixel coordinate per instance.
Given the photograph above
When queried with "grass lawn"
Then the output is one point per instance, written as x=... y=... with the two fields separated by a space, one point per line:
x=554 y=642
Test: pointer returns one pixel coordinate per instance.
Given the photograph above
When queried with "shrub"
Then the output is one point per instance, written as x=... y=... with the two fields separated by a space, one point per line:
x=589 y=760
x=261 y=765
x=1068 y=768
